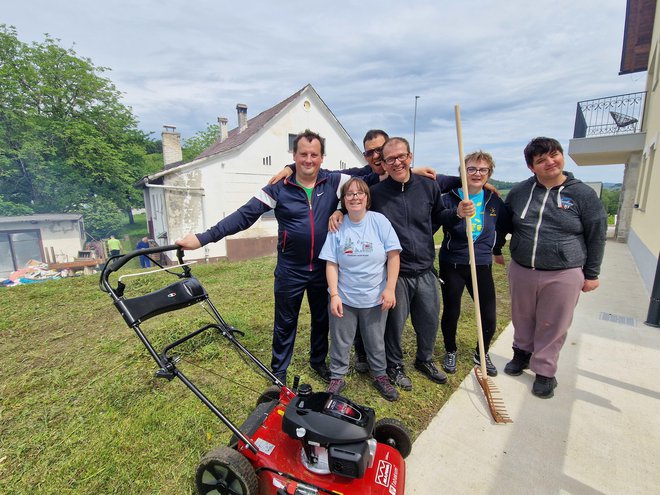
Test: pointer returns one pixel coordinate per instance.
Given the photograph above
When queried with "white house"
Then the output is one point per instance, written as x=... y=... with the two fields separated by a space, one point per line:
x=191 y=197
x=49 y=238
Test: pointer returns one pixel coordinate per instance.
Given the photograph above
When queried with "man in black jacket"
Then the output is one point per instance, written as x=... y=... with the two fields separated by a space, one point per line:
x=414 y=207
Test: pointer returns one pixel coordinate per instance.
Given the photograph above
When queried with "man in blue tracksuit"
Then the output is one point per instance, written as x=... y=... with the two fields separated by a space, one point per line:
x=302 y=204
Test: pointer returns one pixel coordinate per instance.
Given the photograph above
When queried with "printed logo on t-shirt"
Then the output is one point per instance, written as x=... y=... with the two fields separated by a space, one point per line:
x=359 y=248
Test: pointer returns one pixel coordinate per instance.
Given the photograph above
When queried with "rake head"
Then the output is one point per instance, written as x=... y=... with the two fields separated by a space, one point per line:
x=495 y=403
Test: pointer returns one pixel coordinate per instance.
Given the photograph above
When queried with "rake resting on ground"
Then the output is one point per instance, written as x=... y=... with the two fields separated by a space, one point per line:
x=495 y=404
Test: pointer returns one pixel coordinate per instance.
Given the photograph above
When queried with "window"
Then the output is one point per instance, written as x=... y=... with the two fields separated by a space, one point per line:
x=266 y=160
x=17 y=248
x=342 y=165
x=292 y=138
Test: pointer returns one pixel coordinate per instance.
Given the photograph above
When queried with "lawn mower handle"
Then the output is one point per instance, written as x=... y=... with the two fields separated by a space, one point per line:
x=116 y=262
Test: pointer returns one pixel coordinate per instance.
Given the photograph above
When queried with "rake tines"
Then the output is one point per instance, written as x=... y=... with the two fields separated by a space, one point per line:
x=495 y=403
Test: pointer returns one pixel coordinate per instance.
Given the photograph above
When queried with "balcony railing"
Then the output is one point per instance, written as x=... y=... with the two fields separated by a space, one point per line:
x=609 y=116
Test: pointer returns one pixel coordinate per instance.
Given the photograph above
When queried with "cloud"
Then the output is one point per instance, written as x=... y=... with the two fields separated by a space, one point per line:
x=517 y=68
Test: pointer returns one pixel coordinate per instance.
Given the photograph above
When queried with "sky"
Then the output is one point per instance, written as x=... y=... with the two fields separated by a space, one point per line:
x=516 y=68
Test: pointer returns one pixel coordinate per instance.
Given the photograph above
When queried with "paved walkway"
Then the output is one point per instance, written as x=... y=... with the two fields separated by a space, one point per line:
x=600 y=434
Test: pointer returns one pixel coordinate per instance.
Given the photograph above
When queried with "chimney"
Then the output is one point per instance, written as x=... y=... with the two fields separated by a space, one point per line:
x=241 y=109
x=222 y=122
x=171 y=145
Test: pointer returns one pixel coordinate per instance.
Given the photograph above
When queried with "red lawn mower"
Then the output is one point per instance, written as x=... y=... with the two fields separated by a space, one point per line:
x=296 y=441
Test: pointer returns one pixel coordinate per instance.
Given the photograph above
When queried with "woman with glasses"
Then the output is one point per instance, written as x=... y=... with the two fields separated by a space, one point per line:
x=362 y=266
x=455 y=259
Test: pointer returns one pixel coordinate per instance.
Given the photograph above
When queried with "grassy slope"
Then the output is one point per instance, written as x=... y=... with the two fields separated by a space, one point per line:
x=80 y=410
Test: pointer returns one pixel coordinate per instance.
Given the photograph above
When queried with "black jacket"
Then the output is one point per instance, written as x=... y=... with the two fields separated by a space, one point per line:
x=454 y=247
x=416 y=211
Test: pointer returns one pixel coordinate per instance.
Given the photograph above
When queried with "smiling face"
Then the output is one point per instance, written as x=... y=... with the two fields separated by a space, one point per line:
x=374 y=154
x=308 y=160
x=397 y=159
x=481 y=172
x=355 y=198
x=548 y=168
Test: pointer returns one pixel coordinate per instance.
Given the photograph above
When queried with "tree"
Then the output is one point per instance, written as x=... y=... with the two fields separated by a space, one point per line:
x=193 y=146
x=610 y=200
x=65 y=136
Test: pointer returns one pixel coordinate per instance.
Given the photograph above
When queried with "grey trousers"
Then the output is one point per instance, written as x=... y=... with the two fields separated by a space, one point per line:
x=542 y=306
x=342 y=334
x=418 y=297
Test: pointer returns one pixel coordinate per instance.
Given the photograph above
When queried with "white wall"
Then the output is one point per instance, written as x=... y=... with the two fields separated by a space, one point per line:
x=232 y=178
x=63 y=236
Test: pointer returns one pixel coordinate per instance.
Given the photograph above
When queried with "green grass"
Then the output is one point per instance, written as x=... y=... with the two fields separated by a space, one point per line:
x=81 y=411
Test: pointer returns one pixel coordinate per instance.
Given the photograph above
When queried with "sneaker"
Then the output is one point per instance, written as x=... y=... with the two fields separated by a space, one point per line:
x=361 y=365
x=386 y=389
x=429 y=369
x=519 y=362
x=491 y=370
x=398 y=377
x=544 y=386
x=336 y=386
x=322 y=371
x=449 y=362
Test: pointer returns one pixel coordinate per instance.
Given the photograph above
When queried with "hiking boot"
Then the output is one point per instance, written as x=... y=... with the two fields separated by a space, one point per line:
x=336 y=386
x=491 y=370
x=519 y=362
x=398 y=377
x=429 y=369
x=544 y=387
x=386 y=389
x=449 y=362
x=322 y=371
x=361 y=365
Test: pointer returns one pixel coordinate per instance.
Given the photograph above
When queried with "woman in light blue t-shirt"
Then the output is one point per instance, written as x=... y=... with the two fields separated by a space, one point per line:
x=362 y=266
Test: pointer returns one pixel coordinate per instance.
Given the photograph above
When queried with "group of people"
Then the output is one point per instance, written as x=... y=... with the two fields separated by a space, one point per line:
x=360 y=243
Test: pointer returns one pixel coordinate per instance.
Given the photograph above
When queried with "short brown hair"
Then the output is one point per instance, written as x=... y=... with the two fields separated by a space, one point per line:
x=362 y=186
x=309 y=136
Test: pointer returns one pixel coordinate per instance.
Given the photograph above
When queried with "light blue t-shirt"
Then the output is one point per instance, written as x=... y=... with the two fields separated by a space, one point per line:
x=360 y=250
x=477 y=221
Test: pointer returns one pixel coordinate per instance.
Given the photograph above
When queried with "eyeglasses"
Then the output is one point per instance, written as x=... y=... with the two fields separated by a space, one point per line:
x=358 y=195
x=402 y=158
x=474 y=170
x=370 y=153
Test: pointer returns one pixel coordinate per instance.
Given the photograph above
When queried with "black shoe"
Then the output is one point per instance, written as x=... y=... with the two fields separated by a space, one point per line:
x=491 y=370
x=361 y=364
x=429 y=369
x=449 y=362
x=281 y=376
x=398 y=377
x=519 y=362
x=544 y=387
x=322 y=371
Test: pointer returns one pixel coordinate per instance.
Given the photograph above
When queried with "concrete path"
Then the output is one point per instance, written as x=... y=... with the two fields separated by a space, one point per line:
x=599 y=434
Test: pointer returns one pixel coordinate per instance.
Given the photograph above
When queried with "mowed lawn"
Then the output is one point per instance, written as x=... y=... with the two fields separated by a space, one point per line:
x=82 y=413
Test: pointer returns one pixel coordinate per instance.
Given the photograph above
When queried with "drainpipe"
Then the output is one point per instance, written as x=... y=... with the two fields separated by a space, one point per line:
x=653 y=317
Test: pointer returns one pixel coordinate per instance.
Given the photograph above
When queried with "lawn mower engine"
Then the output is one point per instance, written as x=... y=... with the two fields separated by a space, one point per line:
x=336 y=433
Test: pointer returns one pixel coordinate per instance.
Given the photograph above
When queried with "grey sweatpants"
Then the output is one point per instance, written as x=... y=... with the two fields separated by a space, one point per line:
x=418 y=297
x=542 y=306
x=342 y=334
